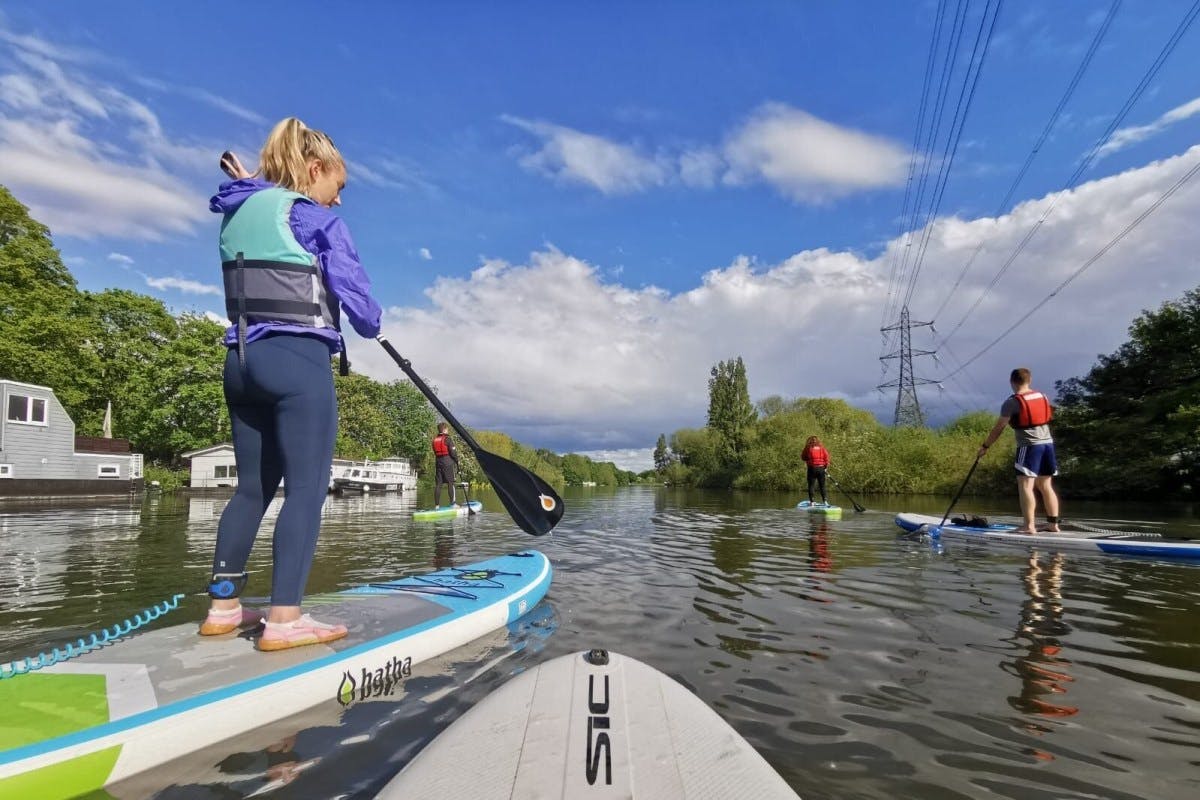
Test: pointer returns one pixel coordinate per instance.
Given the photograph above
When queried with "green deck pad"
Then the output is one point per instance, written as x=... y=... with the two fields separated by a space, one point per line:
x=82 y=777
x=40 y=706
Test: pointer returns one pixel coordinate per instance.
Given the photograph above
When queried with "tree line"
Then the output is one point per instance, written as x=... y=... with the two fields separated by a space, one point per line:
x=1129 y=427
x=162 y=372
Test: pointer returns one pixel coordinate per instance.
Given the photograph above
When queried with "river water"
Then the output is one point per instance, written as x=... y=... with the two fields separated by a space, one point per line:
x=860 y=664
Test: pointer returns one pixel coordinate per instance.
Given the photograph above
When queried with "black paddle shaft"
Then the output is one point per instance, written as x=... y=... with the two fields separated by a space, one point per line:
x=530 y=501
x=966 y=480
x=853 y=502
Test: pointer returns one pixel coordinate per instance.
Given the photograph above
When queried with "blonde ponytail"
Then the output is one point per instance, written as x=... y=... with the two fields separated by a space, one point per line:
x=290 y=146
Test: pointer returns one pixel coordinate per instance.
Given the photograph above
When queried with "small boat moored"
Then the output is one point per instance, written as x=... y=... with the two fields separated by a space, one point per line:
x=376 y=476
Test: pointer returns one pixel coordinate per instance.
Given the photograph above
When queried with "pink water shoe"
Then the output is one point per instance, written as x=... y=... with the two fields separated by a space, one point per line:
x=220 y=622
x=297 y=633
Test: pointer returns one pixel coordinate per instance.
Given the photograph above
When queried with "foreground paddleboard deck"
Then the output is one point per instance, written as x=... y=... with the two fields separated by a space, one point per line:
x=448 y=512
x=828 y=509
x=1126 y=543
x=153 y=697
x=590 y=725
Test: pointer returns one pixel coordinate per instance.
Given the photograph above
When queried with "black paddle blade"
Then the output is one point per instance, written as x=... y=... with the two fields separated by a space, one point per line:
x=531 y=502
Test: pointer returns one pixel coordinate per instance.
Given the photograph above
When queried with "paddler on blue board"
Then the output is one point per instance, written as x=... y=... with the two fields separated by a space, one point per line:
x=1028 y=413
x=290 y=269
x=817 y=458
x=445 y=466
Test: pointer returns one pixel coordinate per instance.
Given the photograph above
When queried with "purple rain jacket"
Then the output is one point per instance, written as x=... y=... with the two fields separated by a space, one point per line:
x=325 y=235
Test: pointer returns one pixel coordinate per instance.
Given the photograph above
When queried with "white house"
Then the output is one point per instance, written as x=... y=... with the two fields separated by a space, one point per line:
x=41 y=456
x=215 y=466
x=212 y=466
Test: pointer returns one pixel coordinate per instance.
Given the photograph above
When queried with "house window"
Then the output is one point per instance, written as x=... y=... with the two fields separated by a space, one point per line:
x=223 y=471
x=109 y=471
x=22 y=408
x=5 y=470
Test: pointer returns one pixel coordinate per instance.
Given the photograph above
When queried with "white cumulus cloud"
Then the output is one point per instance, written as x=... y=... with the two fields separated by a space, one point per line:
x=575 y=157
x=810 y=159
x=120 y=258
x=803 y=157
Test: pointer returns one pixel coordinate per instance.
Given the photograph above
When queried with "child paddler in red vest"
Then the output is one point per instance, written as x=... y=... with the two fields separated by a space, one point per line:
x=817 y=458
x=1028 y=413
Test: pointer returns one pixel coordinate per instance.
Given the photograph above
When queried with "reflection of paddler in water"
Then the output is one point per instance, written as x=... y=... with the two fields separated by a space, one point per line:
x=443 y=547
x=1042 y=670
x=818 y=548
x=820 y=562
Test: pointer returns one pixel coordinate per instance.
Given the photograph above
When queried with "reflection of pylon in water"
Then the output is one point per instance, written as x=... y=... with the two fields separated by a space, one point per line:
x=908 y=408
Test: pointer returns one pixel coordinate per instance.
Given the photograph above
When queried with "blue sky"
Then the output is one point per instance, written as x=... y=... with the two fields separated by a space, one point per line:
x=571 y=211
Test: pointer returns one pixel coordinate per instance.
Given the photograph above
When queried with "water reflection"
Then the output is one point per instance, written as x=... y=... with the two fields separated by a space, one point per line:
x=820 y=559
x=1042 y=668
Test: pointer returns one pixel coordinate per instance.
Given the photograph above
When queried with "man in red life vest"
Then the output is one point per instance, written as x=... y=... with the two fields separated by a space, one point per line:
x=445 y=463
x=817 y=458
x=1028 y=412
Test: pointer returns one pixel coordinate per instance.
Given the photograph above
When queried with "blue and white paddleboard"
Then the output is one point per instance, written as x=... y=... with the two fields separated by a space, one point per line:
x=152 y=697
x=594 y=724
x=1114 y=542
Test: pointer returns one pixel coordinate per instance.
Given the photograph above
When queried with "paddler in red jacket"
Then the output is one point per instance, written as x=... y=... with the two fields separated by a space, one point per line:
x=817 y=458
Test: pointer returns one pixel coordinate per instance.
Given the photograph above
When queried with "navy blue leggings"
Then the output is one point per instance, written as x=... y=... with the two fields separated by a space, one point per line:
x=284 y=416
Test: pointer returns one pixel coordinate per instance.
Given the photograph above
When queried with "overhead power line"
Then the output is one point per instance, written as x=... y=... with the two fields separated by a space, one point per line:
x=928 y=144
x=970 y=82
x=1037 y=146
x=1184 y=24
x=1100 y=254
x=930 y=59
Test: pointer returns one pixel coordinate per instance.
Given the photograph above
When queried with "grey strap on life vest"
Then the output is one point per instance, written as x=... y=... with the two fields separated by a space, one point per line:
x=240 y=280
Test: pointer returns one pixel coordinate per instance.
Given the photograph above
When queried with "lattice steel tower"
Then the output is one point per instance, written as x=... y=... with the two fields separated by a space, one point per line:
x=908 y=408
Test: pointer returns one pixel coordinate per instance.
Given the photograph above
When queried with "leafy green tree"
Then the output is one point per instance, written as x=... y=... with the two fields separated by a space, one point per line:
x=364 y=428
x=699 y=451
x=605 y=473
x=770 y=406
x=1145 y=396
x=662 y=456
x=127 y=334
x=731 y=416
x=382 y=420
x=41 y=330
x=411 y=420
x=576 y=469
x=174 y=402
